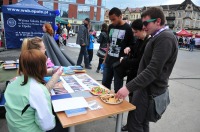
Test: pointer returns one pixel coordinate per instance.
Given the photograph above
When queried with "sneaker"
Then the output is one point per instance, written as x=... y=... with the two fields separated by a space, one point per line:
x=97 y=71
x=88 y=67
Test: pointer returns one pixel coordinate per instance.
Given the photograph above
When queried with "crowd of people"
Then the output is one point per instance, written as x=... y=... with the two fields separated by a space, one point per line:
x=187 y=42
x=144 y=51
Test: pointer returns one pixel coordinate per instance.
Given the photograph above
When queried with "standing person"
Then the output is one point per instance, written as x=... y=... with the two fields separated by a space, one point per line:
x=187 y=42
x=155 y=67
x=58 y=31
x=180 y=42
x=103 y=40
x=83 y=41
x=90 y=47
x=29 y=109
x=120 y=37
x=64 y=34
x=135 y=54
x=52 y=50
x=192 y=43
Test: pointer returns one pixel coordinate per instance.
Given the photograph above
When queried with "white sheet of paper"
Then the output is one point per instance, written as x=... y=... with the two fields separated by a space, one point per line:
x=69 y=103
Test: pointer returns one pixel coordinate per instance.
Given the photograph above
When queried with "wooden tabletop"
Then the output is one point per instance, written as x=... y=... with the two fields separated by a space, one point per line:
x=106 y=111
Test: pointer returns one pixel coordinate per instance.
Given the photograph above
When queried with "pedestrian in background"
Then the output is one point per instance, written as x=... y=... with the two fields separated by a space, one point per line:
x=103 y=40
x=192 y=43
x=90 y=47
x=64 y=34
x=83 y=40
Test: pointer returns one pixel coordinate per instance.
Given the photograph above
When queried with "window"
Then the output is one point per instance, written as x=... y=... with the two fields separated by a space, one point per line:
x=48 y=5
x=102 y=14
x=197 y=24
x=103 y=3
x=179 y=14
x=83 y=12
x=188 y=14
x=91 y=2
x=64 y=9
x=187 y=22
x=95 y=13
x=74 y=1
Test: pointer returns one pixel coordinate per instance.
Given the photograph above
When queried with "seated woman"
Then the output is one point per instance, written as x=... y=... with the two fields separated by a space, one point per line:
x=28 y=105
x=37 y=43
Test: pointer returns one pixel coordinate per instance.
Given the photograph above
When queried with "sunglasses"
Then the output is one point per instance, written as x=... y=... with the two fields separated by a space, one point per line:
x=145 y=23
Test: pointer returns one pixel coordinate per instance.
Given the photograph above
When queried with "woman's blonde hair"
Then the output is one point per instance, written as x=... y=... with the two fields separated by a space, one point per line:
x=32 y=63
x=31 y=43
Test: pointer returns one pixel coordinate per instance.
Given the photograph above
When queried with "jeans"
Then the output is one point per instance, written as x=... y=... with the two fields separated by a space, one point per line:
x=137 y=121
x=191 y=47
x=100 y=62
x=83 y=52
x=108 y=74
x=90 y=53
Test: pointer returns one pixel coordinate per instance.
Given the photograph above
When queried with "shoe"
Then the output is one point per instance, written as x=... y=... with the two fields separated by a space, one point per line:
x=90 y=64
x=97 y=71
x=88 y=67
x=124 y=128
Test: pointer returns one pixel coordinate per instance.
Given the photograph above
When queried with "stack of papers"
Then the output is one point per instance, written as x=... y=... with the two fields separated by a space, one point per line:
x=69 y=104
x=10 y=64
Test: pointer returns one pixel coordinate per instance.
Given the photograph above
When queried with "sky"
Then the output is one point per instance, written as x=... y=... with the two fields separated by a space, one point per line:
x=122 y=4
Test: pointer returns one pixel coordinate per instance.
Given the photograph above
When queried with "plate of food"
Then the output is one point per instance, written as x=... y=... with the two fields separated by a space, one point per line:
x=99 y=91
x=110 y=99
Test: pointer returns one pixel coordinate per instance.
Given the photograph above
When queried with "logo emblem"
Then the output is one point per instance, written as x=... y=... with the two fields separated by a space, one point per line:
x=11 y=22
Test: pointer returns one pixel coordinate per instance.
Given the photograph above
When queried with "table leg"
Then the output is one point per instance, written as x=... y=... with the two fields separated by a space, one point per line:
x=72 y=129
x=118 y=123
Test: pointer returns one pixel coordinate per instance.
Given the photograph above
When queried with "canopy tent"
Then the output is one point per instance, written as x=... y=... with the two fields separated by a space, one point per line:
x=184 y=33
x=25 y=19
x=60 y=20
x=197 y=36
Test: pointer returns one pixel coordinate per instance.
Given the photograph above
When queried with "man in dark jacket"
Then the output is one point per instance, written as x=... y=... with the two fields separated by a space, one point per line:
x=154 y=70
x=83 y=41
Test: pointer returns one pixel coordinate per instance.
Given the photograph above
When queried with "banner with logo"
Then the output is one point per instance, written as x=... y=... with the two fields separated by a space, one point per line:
x=17 y=27
x=24 y=19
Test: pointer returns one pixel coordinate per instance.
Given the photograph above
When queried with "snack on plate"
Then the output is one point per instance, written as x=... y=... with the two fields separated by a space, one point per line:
x=110 y=99
x=99 y=91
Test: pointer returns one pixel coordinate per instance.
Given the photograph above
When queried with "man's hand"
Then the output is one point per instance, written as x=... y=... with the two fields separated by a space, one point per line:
x=127 y=50
x=83 y=44
x=122 y=93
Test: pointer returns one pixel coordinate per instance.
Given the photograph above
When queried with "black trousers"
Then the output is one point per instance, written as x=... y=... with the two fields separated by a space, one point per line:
x=100 y=62
x=90 y=53
x=83 y=52
x=137 y=121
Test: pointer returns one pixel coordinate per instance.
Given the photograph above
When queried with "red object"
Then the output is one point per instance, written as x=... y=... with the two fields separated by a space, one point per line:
x=184 y=33
x=197 y=36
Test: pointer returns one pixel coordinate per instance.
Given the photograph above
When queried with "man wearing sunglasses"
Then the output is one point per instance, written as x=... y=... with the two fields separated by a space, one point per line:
x=154 y=70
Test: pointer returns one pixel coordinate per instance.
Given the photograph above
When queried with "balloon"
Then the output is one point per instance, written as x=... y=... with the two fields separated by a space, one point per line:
x=55 y=27
x=57 y=13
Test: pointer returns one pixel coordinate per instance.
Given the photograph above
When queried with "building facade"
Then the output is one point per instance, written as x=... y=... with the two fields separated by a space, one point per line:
x=182 y=16
x=178 y=16
x=75 y=11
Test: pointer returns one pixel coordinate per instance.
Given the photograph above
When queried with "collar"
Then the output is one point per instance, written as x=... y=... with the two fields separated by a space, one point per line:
x=159 y=31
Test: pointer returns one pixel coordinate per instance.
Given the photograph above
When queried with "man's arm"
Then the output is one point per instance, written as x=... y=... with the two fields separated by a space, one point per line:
x=81 y=35
x=160 y=55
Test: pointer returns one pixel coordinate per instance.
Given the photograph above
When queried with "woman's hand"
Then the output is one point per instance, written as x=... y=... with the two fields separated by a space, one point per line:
x=58 y=71
x=127 y=50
